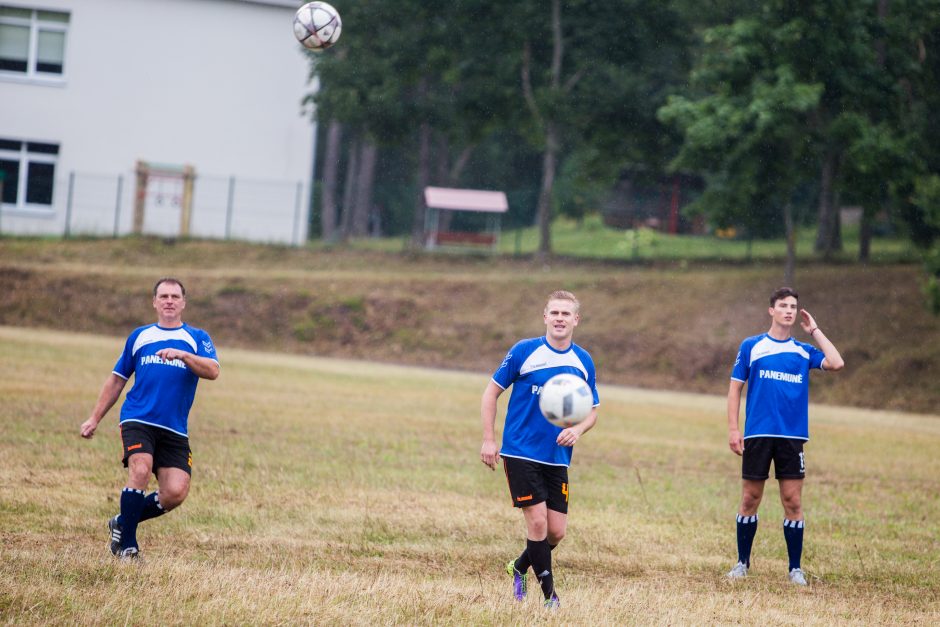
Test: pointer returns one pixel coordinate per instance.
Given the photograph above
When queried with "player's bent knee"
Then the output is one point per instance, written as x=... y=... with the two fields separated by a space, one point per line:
x=172 y=500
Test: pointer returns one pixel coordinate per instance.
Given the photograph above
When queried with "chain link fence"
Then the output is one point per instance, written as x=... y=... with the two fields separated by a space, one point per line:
x=102 y=205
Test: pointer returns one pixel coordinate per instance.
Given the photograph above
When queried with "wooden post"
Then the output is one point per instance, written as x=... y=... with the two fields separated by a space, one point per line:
x=186 y=211
x=140 y=197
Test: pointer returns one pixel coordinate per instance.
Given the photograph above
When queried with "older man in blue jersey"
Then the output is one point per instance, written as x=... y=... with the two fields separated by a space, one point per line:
x=167 y=359
x=775 y=368
x=536 y=453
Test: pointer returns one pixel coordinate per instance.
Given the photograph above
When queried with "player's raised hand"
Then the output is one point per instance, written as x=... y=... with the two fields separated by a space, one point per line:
x=807 y=321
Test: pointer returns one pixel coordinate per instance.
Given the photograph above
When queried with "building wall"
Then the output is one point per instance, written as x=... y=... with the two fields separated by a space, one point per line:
x=216 y=84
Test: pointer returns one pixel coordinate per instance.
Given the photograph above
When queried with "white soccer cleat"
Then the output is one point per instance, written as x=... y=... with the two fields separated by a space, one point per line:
x=738 y=572
x=796 y=576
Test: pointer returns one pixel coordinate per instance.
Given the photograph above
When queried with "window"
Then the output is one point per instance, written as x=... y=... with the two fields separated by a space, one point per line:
x=28 y=172
x=32 y=42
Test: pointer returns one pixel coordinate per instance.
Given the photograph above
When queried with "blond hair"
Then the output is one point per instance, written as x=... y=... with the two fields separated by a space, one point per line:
x=563 y=295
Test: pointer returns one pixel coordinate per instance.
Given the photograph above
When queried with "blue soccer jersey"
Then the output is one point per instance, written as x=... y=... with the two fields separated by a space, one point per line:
x=163 y=391
x=777 y=377
x=527 y=367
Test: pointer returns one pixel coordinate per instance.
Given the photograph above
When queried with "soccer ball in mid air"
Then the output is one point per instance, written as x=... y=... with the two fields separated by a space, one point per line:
x=565 y=400
x=317 y=25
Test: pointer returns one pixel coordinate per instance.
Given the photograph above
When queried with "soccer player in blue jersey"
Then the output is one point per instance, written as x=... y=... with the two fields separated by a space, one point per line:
x=536 y=453
x=775 y=368
x=167 y=360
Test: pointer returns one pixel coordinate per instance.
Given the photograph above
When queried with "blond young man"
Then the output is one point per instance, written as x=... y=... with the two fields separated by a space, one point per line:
x=536 y=454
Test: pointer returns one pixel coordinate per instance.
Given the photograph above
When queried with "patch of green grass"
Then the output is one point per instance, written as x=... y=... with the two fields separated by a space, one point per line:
x=591 y=239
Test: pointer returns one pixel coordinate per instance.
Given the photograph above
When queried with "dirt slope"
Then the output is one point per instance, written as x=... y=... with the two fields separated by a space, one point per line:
x=669 y=327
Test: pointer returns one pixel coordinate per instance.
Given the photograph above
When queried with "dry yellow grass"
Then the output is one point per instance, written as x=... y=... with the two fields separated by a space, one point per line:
x=341 y=492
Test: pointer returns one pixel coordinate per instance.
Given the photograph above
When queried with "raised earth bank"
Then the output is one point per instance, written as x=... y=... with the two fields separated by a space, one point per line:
x=674 y=326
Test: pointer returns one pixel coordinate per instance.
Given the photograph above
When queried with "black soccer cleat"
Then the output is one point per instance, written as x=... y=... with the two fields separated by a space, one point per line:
x=114 y=527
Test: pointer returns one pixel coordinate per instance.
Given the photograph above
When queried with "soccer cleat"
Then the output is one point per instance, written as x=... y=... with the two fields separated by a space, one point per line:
x=129 y=554
x=796 y=576
x=552 y=603
x=519 y=581
x=738 y=572
x=114 y=527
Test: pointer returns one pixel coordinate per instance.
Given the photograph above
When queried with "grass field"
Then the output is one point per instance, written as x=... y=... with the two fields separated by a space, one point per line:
x=344 y=492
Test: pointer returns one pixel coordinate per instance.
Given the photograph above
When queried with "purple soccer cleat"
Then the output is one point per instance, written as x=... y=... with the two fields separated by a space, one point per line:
x=519 y=581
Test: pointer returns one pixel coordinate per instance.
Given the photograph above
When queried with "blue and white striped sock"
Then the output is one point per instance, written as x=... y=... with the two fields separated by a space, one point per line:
x=747 y=529
x=132 y=505
x=793 y=534
x=152 y=507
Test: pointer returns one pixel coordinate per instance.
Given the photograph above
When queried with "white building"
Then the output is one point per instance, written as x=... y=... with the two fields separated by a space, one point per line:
x=90 y=87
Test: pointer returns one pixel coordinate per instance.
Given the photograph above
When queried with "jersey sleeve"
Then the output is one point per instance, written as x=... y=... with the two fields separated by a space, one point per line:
x=816 y=356
x=124 y=367
x=592 y=379
x=742 y=366
x=205 y=347
x=509 y=369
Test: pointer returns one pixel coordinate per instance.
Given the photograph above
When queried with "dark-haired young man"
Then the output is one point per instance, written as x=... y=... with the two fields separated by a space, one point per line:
x=536 y=453
x=167 y=360
x=775 y=368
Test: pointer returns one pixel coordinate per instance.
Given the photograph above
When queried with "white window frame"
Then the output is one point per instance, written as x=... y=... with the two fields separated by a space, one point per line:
x=25 y=157
x=35 y=25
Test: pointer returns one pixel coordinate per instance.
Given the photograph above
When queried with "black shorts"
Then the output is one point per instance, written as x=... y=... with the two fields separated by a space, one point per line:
x=531 y=483
x=786 y=454
x=169 y=450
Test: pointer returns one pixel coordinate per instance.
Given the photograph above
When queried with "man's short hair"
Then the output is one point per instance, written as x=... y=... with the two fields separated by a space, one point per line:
x=563 y=295
x=782 y=292
x=168 y=279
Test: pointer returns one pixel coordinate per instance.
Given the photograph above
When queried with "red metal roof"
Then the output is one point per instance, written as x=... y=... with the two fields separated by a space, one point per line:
x=465 y=199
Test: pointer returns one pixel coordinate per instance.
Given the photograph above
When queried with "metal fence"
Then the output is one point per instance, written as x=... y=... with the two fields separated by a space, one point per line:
x=235 y=208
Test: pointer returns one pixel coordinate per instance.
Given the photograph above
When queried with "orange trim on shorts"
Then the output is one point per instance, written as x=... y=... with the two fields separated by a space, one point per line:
x=133 y=446
x=524 y=498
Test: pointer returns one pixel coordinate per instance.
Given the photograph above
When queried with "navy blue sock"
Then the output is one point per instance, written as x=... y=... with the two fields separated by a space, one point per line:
x=747 y=529
x=132 y=505
x=793 y=534
x=541 y=555
x=152 y=507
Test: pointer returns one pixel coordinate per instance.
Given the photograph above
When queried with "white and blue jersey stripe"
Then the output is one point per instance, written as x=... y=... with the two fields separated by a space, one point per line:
x=163 y=391
x=527 y=367
x=777 y=377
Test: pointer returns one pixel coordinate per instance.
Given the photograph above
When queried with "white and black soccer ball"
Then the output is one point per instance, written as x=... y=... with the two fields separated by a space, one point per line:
x=317 y=25
x=566 y=400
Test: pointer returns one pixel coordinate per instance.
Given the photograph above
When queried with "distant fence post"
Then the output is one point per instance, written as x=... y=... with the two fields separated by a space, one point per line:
x=297 y=198
x=229 y=206
x=117 y=203
x=68 y=206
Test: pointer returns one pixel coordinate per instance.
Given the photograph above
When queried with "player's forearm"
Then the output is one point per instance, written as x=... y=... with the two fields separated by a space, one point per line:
x=202 y=367
x=488 y=418
x=110 y=392
x=734 y=409
x=834 y=359
x=587 y=424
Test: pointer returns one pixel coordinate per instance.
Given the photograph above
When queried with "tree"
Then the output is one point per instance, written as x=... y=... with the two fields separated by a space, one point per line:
x=745 y=132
